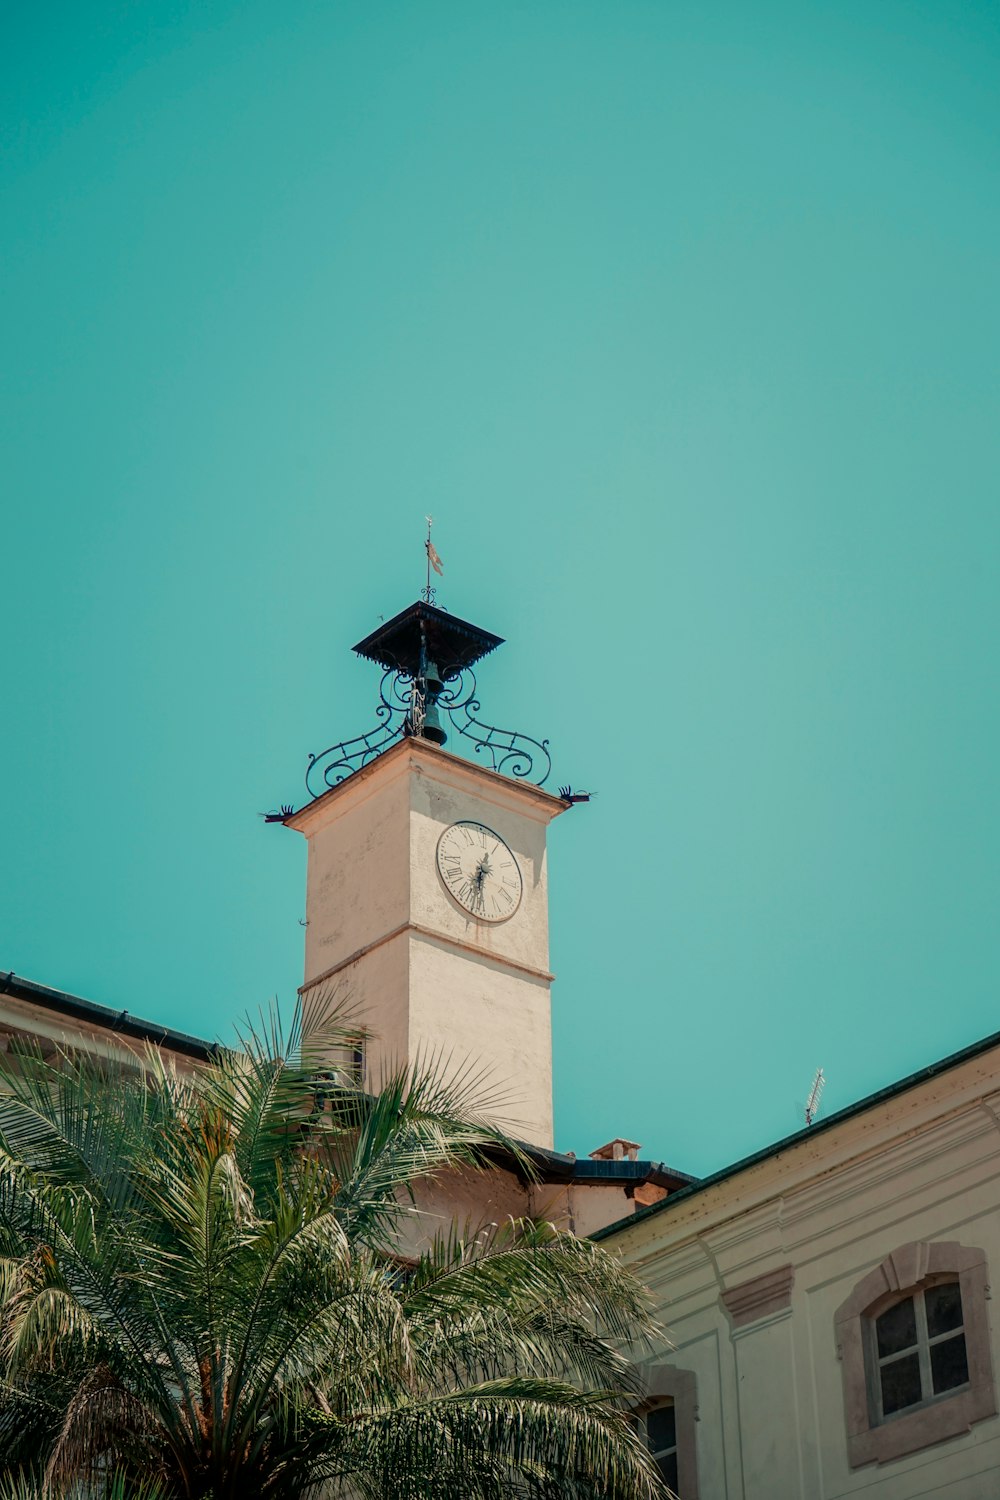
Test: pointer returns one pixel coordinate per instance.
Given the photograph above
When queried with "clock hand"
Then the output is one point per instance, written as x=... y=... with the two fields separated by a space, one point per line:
x=482 y=870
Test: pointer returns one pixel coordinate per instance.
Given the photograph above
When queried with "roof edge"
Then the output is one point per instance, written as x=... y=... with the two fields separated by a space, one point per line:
x=881 y=1096
x=103 y=1016
x=563 y=1167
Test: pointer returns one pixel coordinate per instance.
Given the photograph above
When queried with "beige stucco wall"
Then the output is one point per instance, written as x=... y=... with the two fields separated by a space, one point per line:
x=358 y=868
x=467 y=1200
x=385 y=935
x=499 y=1022
x=924 y=1166
x=464 y=1201
x=373 y=992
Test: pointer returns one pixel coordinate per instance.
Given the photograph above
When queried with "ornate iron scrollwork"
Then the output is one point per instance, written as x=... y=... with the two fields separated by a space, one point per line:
x=402 y=710
x=508 y=751
x=334 y=765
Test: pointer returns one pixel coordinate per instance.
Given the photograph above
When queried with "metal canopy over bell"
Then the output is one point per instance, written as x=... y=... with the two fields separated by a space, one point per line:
x=453 y=643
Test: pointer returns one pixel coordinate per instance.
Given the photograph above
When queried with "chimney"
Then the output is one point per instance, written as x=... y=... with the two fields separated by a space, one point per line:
x=617 y=1150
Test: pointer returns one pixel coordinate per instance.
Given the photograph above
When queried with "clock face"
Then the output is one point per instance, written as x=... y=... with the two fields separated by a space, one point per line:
x=479 y=871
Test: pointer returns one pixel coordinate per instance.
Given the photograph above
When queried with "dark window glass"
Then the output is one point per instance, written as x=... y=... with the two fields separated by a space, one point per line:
x=668 y=1468
x=661 y=1428
x=944 y=1307
x=949 y=1365
x=900 y=1383
x=896 y=1328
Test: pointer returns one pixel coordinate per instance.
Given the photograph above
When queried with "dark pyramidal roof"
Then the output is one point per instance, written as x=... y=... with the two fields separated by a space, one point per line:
x=451 y=643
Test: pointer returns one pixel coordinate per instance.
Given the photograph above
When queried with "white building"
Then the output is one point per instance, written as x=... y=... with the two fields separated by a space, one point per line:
x=827 y=1302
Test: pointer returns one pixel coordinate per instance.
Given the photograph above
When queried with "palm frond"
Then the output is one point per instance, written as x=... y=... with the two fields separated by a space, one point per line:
x=543 y=1438
x=200 y=1285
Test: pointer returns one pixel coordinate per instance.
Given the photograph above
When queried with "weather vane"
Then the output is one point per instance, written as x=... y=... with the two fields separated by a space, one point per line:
x=427 y=593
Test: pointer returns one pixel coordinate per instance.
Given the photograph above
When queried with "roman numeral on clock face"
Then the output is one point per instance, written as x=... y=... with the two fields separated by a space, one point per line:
x=479 y=871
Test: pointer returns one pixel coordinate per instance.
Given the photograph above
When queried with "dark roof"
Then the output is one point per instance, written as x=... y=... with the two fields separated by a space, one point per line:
x=451 y=643
x=104 y=1016
x=696 y=1185
x=560 y=1167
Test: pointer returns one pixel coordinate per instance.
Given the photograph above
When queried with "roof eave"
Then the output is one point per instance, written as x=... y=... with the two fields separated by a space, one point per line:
x=119 y=1023
x=810 y=1132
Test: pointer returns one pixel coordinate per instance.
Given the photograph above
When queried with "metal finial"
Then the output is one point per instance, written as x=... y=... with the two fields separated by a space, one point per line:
x=427 y=593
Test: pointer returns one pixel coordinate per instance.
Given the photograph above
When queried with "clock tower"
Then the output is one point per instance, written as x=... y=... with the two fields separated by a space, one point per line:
x=427 y=882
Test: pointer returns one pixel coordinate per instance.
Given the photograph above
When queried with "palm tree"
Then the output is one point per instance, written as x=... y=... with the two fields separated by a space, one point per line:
x=201 y=1287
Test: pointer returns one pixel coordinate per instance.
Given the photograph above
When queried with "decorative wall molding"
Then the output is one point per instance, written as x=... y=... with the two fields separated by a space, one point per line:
x=888 y=1168
x=760 y=1298
x=444 y=939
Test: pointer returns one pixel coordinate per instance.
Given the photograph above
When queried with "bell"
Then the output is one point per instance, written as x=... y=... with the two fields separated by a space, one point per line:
x=432 y=728
x=433 y=681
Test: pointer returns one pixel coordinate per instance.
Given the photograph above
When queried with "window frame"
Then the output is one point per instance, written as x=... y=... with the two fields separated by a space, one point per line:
x=660 y=1403
x=925 y=1342
x=912 y=1268
x=662 y=1382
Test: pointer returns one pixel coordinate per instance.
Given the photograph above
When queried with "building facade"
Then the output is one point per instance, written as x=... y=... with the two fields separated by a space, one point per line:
x=828 y=1326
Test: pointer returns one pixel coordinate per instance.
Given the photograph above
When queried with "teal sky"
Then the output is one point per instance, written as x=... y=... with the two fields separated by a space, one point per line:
x=684 y=322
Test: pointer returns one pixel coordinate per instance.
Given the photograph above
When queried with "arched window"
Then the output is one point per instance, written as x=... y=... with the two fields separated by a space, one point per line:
x=668 y=1417
x=660 y=1423
x=914 y=1341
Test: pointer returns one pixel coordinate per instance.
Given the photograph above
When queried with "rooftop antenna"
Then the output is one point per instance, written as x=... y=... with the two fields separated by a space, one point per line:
x=433 y=561
x=815 y=1095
